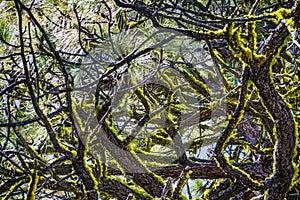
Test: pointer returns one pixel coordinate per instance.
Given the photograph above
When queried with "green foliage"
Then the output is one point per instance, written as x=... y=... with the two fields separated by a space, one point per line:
x=198 y=188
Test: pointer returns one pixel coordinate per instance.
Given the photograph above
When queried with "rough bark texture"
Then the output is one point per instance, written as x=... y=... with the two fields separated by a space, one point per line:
x=285 y=125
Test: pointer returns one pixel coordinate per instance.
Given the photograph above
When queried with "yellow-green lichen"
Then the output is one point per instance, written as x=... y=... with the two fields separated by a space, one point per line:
x=219 y=58
x=252 y=35
x=32 y=185
x=239 y=50
x=194 y=78
x=281 y=13
x=134 y=187
x=218 y=33
x=259 y=58
x=196 y=144
x=11 y=189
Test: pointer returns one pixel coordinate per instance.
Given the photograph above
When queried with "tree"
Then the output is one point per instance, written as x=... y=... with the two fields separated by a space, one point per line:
x=124 y=99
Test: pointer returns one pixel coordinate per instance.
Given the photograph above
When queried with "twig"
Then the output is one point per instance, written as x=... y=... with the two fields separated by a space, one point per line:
x=166 y=188
x=184 y=176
